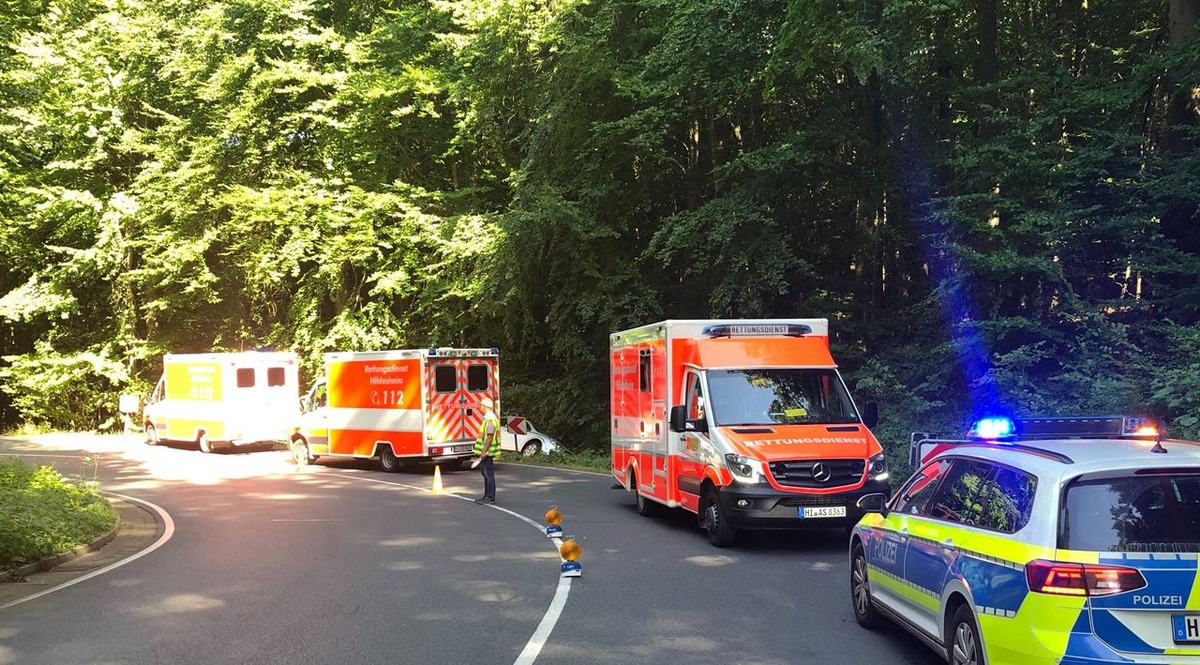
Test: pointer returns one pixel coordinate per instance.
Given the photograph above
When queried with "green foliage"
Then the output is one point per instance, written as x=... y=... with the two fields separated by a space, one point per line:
x=44 y=515
x=75 y=392
x=1008 y=228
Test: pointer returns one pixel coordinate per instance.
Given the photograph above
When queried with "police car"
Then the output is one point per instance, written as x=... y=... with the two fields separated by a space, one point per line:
x=1050 y=540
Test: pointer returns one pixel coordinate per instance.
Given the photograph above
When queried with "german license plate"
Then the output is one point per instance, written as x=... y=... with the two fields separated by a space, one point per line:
x=1186 y=628
x=463 y=449
x=807 y=512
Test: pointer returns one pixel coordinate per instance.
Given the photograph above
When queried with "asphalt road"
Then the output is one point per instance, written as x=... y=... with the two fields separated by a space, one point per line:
x=342 y=563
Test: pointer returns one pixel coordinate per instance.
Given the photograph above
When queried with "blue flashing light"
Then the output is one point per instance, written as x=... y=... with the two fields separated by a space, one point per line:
x=432 y=351
x=495 y=351
x=994 y=427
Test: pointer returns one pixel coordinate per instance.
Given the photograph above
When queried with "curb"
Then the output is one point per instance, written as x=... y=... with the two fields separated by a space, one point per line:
x=49 y=563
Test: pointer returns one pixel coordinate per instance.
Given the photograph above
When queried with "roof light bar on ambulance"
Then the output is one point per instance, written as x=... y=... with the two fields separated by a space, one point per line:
x=757 y=330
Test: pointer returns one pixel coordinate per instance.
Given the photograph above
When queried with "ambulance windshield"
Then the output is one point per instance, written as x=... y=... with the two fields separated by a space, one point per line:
x=784 y=396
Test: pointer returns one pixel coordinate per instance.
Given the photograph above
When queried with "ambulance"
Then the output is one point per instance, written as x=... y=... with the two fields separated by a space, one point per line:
x=746 y=423
x=219 y=400
x=400 y=407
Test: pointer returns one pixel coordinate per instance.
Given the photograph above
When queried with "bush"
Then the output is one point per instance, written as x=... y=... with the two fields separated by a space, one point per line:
x=75 y=392
x=44 y=515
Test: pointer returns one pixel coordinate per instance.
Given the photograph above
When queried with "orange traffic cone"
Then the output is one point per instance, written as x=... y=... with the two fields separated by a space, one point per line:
x=437 y=479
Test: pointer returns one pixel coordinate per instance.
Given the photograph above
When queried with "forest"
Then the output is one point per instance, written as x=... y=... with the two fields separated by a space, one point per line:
x=996 y=203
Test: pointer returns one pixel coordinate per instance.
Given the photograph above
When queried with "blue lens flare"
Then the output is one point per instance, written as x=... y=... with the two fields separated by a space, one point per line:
x=995 y=427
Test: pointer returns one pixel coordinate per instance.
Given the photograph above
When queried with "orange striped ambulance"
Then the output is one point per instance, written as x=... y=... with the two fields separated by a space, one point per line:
x=400 y=407
x=745 y=422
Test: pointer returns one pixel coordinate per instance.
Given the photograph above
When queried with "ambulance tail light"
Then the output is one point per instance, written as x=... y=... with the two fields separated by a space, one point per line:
x=1081 y=579
x=436 y=450
x=745 y=469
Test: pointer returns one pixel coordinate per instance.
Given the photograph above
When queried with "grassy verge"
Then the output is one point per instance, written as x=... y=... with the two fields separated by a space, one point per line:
x=582 y=461
x=44 y=515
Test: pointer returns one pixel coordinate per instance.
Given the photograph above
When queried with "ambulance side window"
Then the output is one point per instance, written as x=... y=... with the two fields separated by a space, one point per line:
x=276 y=376
x=695 y=401
x=644 y=370
x=444 y=379
x=477 y=378
x=245 y=377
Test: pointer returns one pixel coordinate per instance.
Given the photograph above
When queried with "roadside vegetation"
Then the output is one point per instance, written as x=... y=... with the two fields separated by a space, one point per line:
x=44 y=514
x=584 y=460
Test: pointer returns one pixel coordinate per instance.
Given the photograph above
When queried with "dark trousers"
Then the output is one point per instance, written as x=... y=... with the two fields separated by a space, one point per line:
x=488 y=469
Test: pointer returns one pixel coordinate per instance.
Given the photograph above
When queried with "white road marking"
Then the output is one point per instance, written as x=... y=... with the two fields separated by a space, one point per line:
x=541 y=634
x=168 y=531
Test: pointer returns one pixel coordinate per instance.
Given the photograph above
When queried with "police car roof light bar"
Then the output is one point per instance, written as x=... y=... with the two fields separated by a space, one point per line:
x=1062 y=427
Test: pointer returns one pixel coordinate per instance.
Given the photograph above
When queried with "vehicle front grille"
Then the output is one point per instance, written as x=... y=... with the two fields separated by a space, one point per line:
x=811 y=501
x=818 y=474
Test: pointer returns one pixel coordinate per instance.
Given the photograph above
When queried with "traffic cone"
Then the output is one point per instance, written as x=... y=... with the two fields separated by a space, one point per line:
x=437 y=479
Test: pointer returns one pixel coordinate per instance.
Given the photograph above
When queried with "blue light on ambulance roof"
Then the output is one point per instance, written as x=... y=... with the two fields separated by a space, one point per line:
x=992 y=427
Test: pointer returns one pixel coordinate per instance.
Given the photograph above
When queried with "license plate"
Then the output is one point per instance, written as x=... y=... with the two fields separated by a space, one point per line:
x=463 y=449
x=1186 y=628
x=807 y=512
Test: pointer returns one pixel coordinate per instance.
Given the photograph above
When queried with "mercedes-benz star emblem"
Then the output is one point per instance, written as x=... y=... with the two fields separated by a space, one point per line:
x=821 y=472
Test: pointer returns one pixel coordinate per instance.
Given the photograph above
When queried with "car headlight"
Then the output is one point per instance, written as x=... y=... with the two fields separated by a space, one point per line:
x=745 y=469
x=877 y=468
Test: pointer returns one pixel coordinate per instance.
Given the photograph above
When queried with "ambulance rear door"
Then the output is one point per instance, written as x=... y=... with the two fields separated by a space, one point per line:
x=456 y=385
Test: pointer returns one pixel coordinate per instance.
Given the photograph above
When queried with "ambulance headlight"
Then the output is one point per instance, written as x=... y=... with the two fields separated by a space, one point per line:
x=745 y=469
x=877 y=467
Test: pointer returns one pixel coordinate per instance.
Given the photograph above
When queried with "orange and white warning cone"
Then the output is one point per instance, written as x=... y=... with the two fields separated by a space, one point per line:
x=437 y=479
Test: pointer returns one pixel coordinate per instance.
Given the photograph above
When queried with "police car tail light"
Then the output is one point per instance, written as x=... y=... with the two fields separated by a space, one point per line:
x=1079 y=579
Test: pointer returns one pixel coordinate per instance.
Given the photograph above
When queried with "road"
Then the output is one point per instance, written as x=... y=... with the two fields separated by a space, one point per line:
x=342 y=563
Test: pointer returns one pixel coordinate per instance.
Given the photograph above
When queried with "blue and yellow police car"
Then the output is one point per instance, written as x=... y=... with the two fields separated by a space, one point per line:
x=1043 y=540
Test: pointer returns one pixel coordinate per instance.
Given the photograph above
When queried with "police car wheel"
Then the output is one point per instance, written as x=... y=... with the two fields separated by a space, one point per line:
x=860 y=590
x=964 y=638
x=716 y=526
x=151 y=435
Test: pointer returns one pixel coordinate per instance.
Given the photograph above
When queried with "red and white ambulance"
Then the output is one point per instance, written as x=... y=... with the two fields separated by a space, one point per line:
x=400 y=407
x=746 y=423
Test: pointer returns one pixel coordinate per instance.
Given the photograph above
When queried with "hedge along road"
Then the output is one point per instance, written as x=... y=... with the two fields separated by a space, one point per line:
x=341 y=563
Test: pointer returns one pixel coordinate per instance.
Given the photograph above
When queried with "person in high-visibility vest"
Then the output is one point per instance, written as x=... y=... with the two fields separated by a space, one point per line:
x=487 y=449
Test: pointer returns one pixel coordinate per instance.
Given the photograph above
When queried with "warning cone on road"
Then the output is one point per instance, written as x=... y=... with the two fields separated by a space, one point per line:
x=437 y=479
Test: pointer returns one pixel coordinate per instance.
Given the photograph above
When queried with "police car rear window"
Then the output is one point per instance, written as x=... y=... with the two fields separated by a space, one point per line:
x=1134 y=513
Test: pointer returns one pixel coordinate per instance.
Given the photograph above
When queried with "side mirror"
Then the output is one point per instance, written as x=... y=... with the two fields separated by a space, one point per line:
x=871 y=414
x=875 y=502
x=678 y=418
x=680 y=422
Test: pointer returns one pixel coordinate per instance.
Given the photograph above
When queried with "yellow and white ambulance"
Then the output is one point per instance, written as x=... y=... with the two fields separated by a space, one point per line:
x=223 y=399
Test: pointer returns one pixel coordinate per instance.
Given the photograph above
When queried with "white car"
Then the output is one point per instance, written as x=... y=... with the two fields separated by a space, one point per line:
x=530 y=443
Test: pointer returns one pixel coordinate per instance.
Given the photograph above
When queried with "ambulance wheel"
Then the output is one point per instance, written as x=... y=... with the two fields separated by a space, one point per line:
x=716 y=526
x=300 y=453
x=205 y=445
x=645 y=507
x=388 y=460
x=532 y=448
x=150 y=435
x=963 y=640
x=860 y=590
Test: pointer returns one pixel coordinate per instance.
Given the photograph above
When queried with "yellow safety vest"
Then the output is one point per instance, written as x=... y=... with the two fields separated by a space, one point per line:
x=494 y=451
